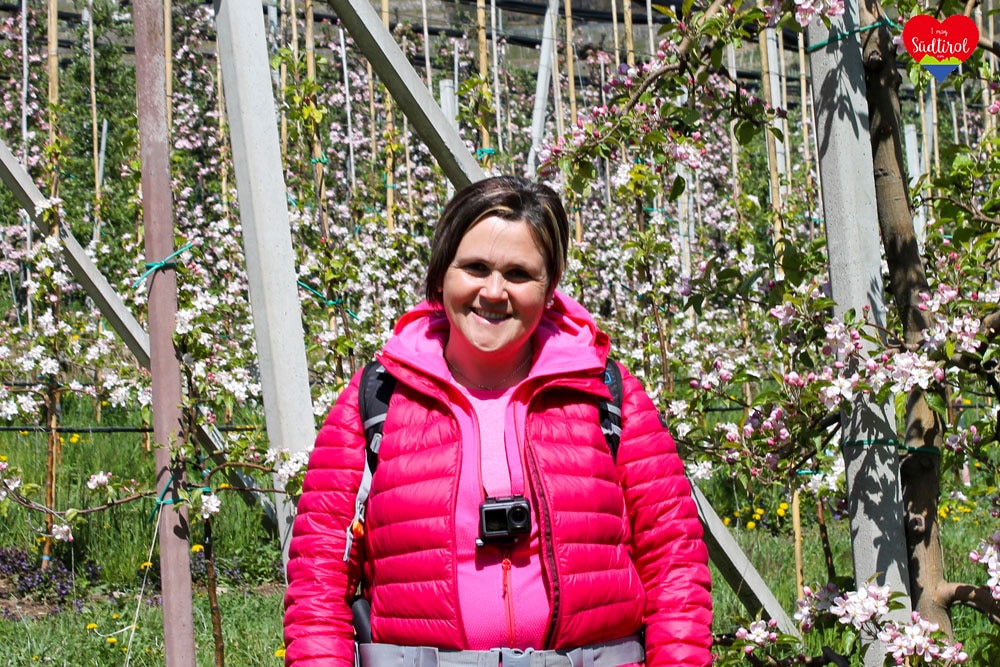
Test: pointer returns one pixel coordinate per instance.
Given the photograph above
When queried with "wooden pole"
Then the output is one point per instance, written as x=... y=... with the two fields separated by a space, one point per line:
x=168 y=59
x=965 y=113
x=484 y=133
x=390 y=157
x=157 y=209
x=223 y=132
x=283 y=81
x=570 y=63
x=614 y=33
x=797 y=536
x=988 y=118
x=53 y=63
x=427 y=47
x=935 y=128
x=629 y=37
x=316 y=146
x=805 y=120
x=925 y=132
x=734 y=145
x=649 y=27
x=53 y=447
x=775 y=163
x=409 y=169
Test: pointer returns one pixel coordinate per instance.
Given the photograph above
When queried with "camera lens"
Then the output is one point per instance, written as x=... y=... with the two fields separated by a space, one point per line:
x=518 y=517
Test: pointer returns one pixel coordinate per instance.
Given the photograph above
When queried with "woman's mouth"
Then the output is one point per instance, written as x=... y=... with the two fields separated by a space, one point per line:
x=491 y=315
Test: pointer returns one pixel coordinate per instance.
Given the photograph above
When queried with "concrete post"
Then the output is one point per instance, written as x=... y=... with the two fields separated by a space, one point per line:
x=267 y=237
x=542 y=83
x=868 y=434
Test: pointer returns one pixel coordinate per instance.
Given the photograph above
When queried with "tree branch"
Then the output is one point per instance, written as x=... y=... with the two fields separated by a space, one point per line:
x=979 y=598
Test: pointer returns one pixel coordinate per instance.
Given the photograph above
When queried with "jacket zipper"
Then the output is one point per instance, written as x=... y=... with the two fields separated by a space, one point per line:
x=508 y=596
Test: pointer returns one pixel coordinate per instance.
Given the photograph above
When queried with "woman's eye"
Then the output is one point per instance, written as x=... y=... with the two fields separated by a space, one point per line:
x=477 y=269
x=517 y=276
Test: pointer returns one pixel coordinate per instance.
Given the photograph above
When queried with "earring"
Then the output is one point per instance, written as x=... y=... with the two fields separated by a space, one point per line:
x=548 y=304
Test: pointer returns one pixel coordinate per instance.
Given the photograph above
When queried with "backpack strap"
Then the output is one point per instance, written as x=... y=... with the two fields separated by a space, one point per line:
x=374 y=391
x=376 y=388
x=611 y=413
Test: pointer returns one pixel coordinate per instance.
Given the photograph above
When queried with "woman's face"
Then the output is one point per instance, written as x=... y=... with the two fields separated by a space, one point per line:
x=495 y=289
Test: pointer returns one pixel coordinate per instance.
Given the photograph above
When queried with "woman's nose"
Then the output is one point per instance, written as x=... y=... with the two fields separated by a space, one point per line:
x=495 y=286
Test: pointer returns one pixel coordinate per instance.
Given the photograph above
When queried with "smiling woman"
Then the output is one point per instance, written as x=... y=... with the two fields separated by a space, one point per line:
x=498 y=519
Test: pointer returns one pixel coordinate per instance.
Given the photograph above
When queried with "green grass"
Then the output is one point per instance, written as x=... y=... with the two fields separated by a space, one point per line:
x=251 y=632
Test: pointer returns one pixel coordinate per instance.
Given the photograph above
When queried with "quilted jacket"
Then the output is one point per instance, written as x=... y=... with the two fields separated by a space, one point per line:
x=622 y=545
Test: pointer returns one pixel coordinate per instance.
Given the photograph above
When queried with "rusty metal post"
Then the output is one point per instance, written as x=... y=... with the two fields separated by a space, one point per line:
x=157 y=212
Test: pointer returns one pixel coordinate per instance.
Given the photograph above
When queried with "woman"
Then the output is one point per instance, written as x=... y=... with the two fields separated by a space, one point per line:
x=498 y=520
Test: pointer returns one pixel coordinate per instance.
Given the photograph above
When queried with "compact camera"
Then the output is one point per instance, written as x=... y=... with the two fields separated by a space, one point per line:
x=503 y=519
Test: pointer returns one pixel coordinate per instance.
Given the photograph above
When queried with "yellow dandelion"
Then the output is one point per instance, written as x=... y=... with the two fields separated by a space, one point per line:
x=91 y=626
x=197 y=548
x=783 y=506
x=725 y=520
x=280 y=653
x=26 y=433
x=2 y=457
x=111 y=641
x=757 y=510
x=144 y=566
x=780 y=512
x=751 y=525
x=75 y=438
x=114 y=616
x=224 y=485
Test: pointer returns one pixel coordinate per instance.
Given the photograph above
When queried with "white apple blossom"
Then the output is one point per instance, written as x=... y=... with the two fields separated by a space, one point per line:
x=210 y=504
x=62 y=533
x=101 y=478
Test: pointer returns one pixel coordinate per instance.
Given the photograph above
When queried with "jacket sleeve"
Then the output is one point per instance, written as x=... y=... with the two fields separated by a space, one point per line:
x=321 y=585
x=668 y=549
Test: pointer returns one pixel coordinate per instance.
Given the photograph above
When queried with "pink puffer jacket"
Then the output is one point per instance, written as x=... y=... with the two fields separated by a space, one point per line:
x=613 y=562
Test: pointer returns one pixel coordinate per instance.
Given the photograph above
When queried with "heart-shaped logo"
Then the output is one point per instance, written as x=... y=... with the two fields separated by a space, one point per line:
x=940 y=46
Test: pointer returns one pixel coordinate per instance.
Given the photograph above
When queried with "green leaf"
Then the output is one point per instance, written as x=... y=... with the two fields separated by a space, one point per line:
x=677 y=189
x=936 y=403
x=746 y=130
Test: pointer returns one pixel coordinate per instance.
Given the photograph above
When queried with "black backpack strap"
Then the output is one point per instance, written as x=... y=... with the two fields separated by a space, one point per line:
x=611 y=413
x=374 y=391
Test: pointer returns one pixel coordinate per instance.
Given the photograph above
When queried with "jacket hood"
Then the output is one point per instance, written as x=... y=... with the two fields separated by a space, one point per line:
x=567 y=341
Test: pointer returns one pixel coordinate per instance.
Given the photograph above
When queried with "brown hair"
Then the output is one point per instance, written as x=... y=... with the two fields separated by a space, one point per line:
x=509 y=198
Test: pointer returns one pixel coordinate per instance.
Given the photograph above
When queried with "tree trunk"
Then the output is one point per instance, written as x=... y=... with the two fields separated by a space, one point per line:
x=920 y=467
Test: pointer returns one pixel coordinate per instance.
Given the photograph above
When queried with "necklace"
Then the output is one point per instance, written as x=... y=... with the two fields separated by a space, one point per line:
x=486 y=387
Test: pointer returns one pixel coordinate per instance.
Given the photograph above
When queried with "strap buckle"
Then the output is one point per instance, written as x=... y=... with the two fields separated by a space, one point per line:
x=515 y=657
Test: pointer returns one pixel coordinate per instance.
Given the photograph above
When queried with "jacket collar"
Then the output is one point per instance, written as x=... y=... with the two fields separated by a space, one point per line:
x=567 y=342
